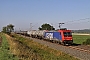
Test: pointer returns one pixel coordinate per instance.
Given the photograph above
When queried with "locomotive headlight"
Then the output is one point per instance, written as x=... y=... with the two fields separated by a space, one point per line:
x=70 y=39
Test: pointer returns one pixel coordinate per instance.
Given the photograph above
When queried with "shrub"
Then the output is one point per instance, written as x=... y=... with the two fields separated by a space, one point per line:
x=87 y=42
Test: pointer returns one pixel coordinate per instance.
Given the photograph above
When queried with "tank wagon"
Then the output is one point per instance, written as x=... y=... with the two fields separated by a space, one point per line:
x=22 y=33
x=61 y=36
x=37 y=34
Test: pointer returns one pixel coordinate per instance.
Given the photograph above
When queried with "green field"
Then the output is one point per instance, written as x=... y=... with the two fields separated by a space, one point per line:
x=79 y=39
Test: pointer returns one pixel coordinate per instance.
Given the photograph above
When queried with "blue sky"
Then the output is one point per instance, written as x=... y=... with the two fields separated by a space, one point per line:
x=21 y=13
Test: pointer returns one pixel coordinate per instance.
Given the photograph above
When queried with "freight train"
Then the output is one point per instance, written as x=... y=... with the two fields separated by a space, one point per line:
x=62 y=36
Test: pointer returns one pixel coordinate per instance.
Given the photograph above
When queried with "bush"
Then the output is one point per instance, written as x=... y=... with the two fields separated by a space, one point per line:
x=87 y=42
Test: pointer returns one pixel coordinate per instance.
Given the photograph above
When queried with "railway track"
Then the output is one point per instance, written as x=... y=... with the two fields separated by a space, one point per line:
x=80 y=49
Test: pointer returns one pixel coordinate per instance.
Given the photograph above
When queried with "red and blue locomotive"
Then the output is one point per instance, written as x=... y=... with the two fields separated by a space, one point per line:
x=61 y=36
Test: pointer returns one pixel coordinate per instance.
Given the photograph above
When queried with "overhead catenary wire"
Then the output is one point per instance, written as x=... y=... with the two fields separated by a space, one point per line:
x=72 y=21
x=66 y=23
x=77 y=20
x=81 y=22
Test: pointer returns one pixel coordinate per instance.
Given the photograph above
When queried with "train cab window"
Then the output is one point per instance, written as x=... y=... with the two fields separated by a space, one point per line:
x=67 y=34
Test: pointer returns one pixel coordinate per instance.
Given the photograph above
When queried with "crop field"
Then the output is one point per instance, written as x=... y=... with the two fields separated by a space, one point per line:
x=79 y=39
x=27 y=49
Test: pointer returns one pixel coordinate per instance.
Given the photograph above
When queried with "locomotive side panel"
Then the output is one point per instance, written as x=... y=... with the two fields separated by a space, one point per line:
x=57 y=36
x=53 y=36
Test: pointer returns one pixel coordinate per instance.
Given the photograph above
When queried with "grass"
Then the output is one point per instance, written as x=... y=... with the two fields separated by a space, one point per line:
x=79 y=39
x=41 y=51
x=5 y=53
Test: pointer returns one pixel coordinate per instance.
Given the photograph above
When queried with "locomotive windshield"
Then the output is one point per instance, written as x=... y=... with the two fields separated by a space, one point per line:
x=67 y=34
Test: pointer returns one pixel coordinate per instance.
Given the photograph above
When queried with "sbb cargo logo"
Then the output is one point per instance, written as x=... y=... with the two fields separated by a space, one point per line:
x=49 y=35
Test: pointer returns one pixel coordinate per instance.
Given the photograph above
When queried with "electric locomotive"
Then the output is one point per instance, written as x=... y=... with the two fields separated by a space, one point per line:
x=62 y=36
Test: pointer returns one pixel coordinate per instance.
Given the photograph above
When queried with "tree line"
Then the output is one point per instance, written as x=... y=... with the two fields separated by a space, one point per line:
x=8 y=29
